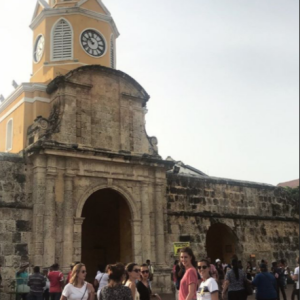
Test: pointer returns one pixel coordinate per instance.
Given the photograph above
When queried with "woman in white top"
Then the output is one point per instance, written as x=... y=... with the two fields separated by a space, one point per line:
x=133 y=273
x=101 y=281
x=208 y=289
x=78 y=288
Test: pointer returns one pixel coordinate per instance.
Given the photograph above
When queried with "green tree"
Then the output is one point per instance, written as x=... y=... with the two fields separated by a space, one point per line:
x=293 y=192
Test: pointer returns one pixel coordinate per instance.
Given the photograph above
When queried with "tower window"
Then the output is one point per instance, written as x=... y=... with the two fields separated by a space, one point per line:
x=9 y=135
x=62 y=41
x=112 y=52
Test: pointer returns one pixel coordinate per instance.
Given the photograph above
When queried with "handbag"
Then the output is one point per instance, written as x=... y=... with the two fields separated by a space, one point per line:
x=248 y=287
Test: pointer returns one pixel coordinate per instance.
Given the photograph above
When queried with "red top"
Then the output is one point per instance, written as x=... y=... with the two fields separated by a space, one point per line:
x=55 y=278
x=189 y=278
x=69 y=277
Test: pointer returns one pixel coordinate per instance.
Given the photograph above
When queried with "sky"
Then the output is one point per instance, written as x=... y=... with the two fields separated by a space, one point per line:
x=223 y=76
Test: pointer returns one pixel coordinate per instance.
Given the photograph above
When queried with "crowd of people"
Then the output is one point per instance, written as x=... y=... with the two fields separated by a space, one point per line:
x=203 y=280
x=116 y=282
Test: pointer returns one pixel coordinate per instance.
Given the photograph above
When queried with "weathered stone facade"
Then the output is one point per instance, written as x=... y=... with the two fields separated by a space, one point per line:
x=94 y=147
x=263 y=218
x=15 y=213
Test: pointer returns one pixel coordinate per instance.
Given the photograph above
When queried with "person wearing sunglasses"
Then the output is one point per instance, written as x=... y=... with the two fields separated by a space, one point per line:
x=78 y=288
x=133 y=274
x=143 y=286
x=208 y=289
x=188 y=285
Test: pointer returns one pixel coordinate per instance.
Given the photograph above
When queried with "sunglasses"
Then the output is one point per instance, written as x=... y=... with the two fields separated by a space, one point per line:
x=137 y=270
x=202 y=267
x=145 y=272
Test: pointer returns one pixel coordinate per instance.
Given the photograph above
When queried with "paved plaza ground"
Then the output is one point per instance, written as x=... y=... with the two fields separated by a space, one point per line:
x=289 y=294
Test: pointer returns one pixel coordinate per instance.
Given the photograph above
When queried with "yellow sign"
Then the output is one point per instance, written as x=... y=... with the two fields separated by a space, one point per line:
x=179 y=246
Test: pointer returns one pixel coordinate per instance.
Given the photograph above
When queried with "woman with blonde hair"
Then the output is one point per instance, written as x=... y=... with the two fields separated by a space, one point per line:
x=133 y=273
x=78 y=288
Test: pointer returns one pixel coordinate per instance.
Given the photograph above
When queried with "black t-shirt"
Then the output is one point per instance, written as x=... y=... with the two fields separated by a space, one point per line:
x=145 y=292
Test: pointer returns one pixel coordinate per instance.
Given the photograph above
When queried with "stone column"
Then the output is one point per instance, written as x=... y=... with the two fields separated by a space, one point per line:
x=68 y=231
x=146 y=228
x=78 y=238
x=159 y=226
x=137 y=241
x=50 y=220
x=39 y=184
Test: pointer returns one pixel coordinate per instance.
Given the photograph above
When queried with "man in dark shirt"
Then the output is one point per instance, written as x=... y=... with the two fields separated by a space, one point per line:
x=279 y=275
x=36 y=282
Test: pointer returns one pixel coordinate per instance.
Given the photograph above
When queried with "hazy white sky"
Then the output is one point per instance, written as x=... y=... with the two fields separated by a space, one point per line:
x=223 y=76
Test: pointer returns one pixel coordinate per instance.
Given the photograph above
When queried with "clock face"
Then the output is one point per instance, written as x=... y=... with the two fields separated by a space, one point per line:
x=93 y=43
x=38 y=48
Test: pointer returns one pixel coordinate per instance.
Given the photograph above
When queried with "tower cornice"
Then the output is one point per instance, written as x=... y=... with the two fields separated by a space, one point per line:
x=49 y=12
x=24 y=87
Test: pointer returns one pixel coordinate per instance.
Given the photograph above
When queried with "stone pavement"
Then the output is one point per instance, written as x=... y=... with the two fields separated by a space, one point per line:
x=289 y=294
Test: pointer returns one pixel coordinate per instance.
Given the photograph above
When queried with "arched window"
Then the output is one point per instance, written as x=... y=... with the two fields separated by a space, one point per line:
x=9 y=135
x=62 y=40
x=112 y=52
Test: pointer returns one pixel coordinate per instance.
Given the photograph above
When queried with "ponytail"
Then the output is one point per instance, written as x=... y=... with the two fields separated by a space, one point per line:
x=235 y=267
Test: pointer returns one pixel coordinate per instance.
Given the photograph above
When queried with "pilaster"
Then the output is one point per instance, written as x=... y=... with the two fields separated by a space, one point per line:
x=78 y=222
x=146 y=228
x=50 y=219
x=39 y=191
x=68 y=222
x=137 y=241
x=159 y=225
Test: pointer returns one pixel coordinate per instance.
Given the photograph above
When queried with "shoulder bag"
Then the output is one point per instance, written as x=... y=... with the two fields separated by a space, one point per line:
x=84 y=291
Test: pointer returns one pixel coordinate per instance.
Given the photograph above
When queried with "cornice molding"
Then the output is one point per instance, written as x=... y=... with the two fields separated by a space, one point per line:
x=58 y=12
x=81 y=2
x=24 y=87
x=42 y=3
x=19 y=103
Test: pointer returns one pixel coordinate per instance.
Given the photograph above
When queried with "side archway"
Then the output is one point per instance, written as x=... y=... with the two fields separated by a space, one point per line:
x=221 y=243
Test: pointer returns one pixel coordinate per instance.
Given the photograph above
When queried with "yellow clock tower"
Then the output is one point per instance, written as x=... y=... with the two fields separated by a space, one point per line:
x=70 y=34
x=67 y=34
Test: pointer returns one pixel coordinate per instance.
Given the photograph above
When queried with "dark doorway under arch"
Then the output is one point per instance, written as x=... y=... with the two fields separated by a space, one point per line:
x=221 y=243
x=106 y=231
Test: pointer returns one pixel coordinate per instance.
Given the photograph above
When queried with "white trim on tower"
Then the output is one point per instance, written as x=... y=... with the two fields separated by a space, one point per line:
x=57 y=12
x=9 y=139
x=24 y=100
x=43 y=3
x=81 y=2
x=112 y=51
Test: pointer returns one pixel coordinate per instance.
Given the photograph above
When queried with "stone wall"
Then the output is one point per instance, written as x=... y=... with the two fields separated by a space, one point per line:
x=263 y=219
x=15 y=215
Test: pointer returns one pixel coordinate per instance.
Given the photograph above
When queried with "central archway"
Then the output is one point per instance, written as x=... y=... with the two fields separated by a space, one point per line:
x=221 y=243
x=106 y=230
